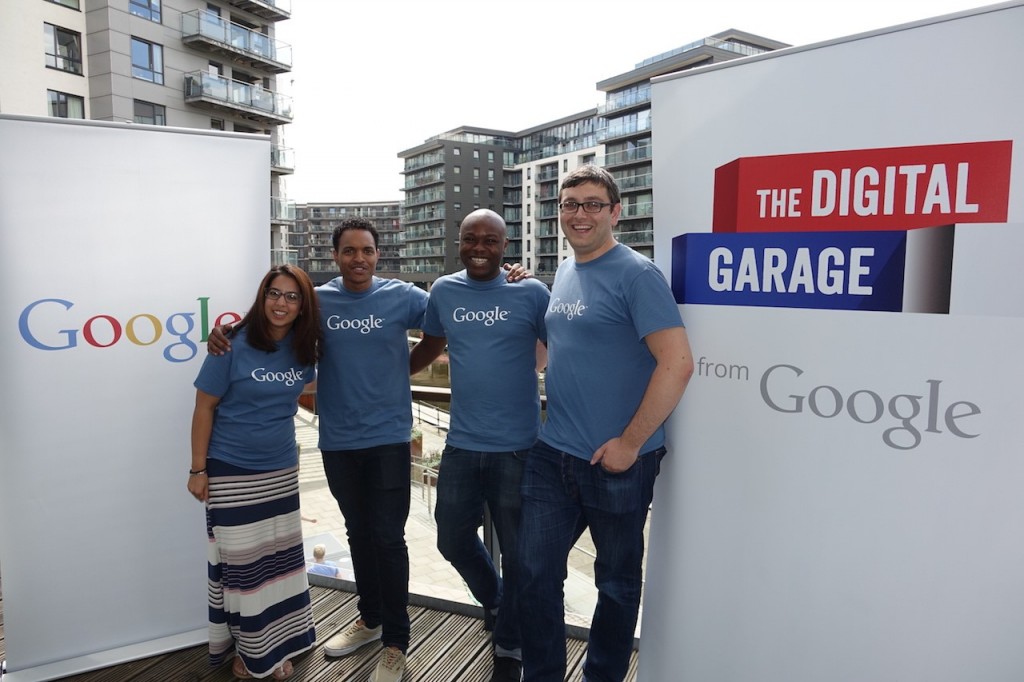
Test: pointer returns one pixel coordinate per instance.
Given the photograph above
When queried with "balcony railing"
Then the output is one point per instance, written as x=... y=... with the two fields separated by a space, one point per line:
x=547 y=211
x=623 y=129
x=433 y=213
x=202 y=28
x=410 y=269
x=421 y=179
x=425 y=197
x=423 y=252
x=627 y=156
x=640 y=210
x=625 y=100
x=548 y=174
x=547 y=231
x=428 y=233
x=282 y=210
x=274 y=10
x=284 y=257
x=282 y=159
x=630 y=182
x=424 y=160
x=250 y=100
x=642 y=237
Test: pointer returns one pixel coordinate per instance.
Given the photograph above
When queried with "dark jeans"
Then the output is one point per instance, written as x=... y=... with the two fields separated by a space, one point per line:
x=563 y=495
x=467 y=480
x=372 y=489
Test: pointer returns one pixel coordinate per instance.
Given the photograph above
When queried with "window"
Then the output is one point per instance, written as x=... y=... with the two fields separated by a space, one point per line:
x=147 y=9
x=63 y=105
x=476 y=190
x=147 y=112
x=457 y=169
x=565 y=165
x=490 y=175
x=457 y=205
x=456 y=151
x=490 y=157
x=73 y=4
x=457 y=188
x=147 y=61
x=529 y=172
x=476 y=173
x=217 y=124
x=63 y=48
x=490 y=192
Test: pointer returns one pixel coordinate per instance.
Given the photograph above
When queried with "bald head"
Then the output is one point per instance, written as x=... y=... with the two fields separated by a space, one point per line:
x=482 y=240
x=486 y=216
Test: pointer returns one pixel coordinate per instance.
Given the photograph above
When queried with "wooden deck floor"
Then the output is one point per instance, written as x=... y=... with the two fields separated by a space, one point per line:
x=445 y=647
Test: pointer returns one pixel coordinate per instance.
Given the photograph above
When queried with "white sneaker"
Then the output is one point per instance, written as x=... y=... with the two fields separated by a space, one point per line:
x=351 y=638
x=390 y=666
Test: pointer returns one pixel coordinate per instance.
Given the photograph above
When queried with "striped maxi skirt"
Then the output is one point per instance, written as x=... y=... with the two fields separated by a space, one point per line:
x=258 y=592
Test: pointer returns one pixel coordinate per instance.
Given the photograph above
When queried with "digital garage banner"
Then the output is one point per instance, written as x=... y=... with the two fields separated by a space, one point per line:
x=843 y=228
x=123 y=245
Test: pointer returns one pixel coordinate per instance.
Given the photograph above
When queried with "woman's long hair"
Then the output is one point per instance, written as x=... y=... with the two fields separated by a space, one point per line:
x=307 y=337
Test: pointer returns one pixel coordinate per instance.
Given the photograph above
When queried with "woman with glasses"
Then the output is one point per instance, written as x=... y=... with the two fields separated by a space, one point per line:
x=245 y=469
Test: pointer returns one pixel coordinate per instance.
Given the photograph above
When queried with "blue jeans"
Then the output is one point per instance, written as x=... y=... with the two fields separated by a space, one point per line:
x=563 y=495
x=372 y=489
x=467 y=480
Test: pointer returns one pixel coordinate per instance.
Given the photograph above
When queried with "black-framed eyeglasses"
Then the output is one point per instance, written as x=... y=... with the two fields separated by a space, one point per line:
x=289 y=296
x=588 y=206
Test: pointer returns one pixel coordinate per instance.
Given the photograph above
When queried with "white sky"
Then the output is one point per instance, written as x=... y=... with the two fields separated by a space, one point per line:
x=372 y=78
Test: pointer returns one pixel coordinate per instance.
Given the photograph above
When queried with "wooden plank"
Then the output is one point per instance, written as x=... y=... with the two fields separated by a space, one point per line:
x=445 y=647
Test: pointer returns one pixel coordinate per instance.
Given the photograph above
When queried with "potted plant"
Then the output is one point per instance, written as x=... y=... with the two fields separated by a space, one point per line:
x=416 y=443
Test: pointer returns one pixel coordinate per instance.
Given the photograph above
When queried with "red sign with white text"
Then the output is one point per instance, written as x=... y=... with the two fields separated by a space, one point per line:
x=895 y=188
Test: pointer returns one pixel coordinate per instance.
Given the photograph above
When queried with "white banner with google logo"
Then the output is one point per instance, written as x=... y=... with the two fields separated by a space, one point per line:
x=123 y=246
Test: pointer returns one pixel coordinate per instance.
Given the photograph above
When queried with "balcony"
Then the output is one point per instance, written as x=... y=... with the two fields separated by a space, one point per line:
x=282 y=160
x=547 y=193
x=547 y=174
x=205 y=30
x=250 y=101
x=547 y=211
x=421 y=179
x=414 y=269
x=625 y=101
x=423 y=252
x=641 y=237
x=617 y=130
x=640 y=210
x=272 y=10
x=627 y=156
x=284 y=257
x=635 y=182
x=547 y=231
x=425 y=197
x=424 y=160
x=282 y=210
x=427 y=233
x=424 y=215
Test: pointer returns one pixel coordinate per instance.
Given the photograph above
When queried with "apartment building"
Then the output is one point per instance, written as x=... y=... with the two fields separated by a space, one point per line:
x=210 y=64
x=624 y=128
x=616 y=135
x=314 y=231
x=446 y=178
